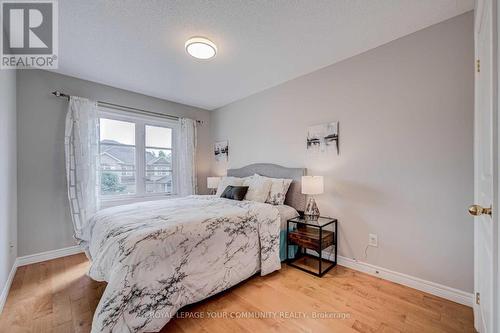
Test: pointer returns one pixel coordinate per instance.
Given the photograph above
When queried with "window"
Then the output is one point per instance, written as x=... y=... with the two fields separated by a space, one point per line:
x=158 y=159
x=117 y=152
x=136 y=155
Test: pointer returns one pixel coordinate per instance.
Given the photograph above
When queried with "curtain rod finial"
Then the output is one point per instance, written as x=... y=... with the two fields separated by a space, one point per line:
x=60 y=94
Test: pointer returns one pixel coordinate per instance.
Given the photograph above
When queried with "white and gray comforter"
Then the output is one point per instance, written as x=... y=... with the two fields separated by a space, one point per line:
x=162 y=255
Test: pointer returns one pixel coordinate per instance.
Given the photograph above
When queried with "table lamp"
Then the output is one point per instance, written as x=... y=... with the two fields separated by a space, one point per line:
x=212 y=184
x=312 y=185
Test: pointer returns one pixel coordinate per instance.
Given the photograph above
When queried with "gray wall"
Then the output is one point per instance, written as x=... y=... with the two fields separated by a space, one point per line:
x=44 y=220
x=8 y=174
x=405 y=171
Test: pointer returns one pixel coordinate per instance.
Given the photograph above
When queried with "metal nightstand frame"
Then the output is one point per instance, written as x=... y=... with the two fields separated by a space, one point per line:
x=290 y=261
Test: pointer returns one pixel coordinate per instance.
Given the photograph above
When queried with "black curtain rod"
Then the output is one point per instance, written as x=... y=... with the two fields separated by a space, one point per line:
x=125 y=108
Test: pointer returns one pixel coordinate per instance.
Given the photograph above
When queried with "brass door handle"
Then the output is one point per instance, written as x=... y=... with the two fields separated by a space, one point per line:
x=477 y=210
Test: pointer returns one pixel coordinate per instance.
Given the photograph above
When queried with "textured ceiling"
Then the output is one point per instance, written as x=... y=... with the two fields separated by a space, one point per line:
x=139 y=45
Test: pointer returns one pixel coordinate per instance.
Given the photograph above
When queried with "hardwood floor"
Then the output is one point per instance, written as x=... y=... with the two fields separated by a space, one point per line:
x=57 y=296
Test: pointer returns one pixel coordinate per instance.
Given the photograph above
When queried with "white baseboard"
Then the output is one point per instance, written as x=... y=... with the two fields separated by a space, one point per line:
x=433 y=288
x=6 y=288
x=48 y=255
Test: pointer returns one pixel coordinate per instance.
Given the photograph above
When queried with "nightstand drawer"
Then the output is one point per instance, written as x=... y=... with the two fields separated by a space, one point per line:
x=308 y=237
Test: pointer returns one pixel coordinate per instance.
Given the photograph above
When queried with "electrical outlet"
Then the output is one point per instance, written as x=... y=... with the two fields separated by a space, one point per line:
x=373 y=240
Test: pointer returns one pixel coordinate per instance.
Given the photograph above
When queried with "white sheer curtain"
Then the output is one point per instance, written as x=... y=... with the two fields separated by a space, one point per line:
x=82 y=159
x=186 y=156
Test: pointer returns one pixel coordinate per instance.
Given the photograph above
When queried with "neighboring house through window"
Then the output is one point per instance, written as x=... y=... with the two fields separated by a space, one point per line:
x=137 y=155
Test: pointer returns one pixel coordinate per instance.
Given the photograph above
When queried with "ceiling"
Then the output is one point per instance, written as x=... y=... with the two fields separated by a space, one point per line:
x=139 y=45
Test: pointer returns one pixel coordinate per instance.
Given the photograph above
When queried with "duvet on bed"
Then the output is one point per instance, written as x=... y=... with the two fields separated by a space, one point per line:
x=162 y=255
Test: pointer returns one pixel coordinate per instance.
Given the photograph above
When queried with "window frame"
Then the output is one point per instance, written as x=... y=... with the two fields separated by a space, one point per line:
x=141 y=121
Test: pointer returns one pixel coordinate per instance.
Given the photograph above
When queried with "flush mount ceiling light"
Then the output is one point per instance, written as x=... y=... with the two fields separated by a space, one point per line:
x=201 y=48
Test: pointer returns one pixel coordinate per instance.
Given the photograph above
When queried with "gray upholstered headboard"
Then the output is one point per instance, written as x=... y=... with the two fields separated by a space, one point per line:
x=294 y=197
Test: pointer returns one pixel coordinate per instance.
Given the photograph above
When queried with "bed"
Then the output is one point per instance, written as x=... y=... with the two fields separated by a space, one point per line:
x=161 y=255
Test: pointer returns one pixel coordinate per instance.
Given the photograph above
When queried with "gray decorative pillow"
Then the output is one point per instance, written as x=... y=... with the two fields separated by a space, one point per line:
x=235 y=192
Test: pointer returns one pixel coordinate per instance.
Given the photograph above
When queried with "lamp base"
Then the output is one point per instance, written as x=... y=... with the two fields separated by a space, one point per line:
x=311 y=208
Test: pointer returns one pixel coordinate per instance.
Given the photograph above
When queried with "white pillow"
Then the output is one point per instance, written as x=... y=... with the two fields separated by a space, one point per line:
x=258 y=188
x=277 y=193
x=228 y=181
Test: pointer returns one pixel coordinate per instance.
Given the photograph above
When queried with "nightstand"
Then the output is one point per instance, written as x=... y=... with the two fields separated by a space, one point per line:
x=310 y=234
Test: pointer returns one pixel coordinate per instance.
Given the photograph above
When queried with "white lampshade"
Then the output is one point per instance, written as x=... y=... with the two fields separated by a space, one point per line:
x=213 y=182
x=312 y=185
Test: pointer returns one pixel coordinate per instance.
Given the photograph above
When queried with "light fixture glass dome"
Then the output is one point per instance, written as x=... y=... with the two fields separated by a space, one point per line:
x=201 y=48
